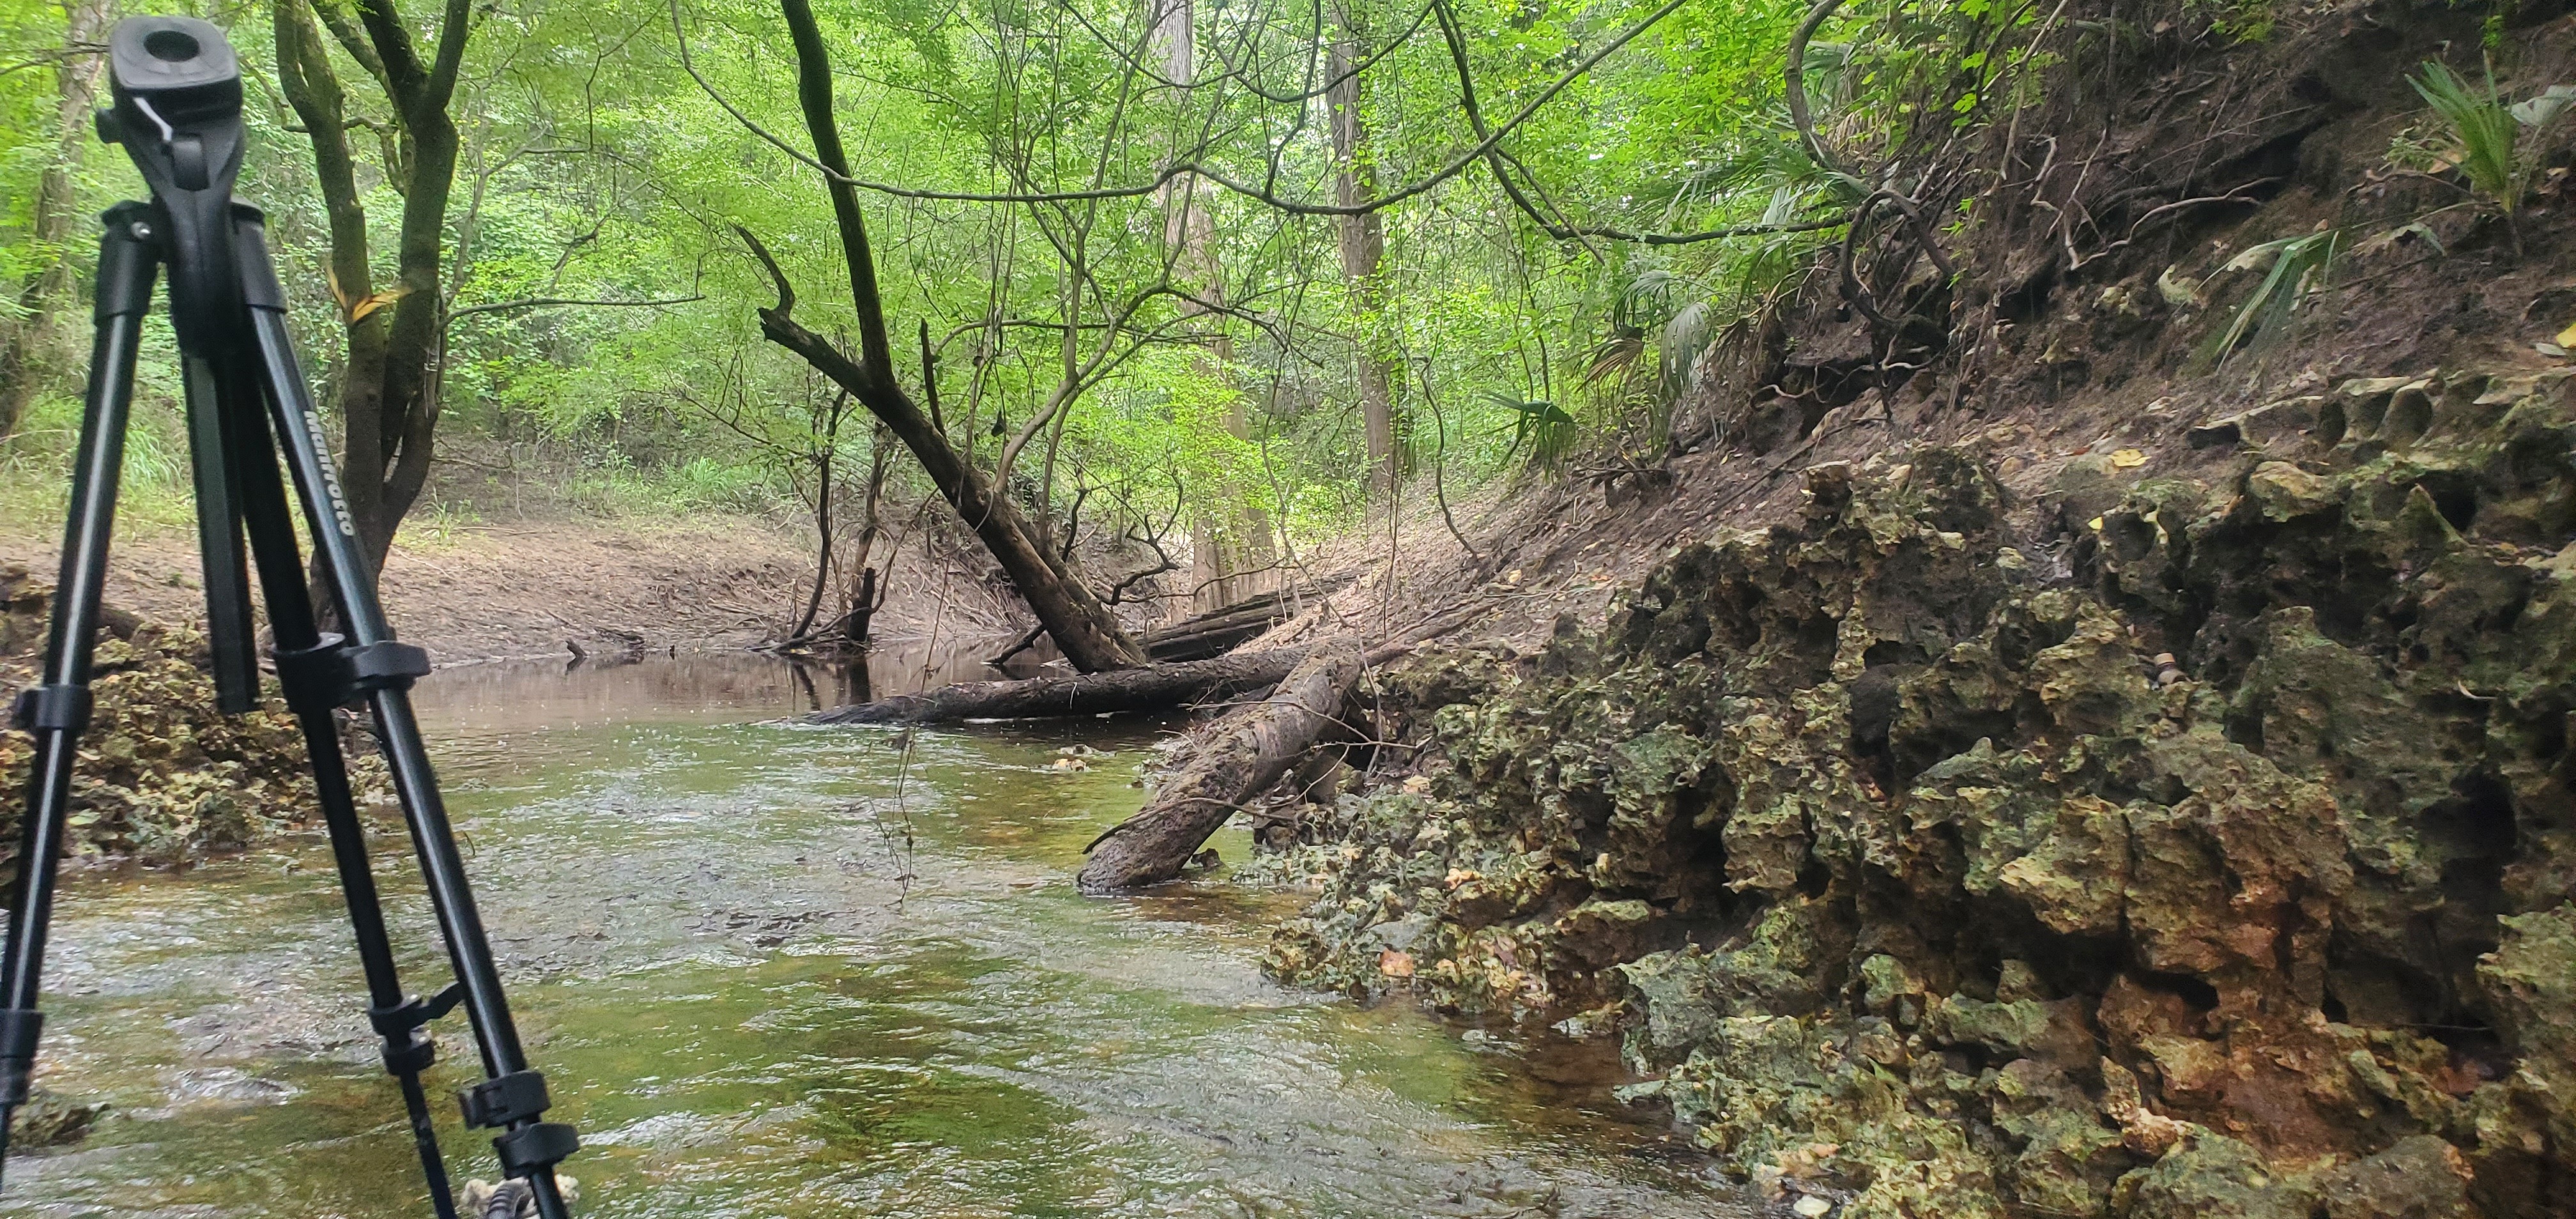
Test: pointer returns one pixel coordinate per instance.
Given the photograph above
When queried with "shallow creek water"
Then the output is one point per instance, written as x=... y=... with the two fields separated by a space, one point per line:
x=778 y=971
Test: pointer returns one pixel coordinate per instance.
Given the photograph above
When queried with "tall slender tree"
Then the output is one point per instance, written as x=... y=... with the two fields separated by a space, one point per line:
x=1230 y=540
x=1362 y=238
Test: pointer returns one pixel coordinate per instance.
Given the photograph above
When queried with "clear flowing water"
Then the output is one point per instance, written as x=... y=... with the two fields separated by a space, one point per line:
x=775 y=971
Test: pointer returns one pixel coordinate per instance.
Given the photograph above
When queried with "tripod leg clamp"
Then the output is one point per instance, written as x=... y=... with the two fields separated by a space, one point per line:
x=519 y=1097
x=536 y=1145
x=54 y=708
x=19 y=1030
x=335 y=673
x=514 y=1097
x=404 y=1053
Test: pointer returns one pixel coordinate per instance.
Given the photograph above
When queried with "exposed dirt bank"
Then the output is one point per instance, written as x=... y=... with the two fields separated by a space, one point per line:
x=2053 y=777
x=516 y=590
x=163 y=776
x=2210 y=856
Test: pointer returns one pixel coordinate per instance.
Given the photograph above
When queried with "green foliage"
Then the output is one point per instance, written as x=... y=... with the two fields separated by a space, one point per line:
x=2486 y=132
x=1543 y=427
x=595 y=169
x=2242 y=20
x=2292 y=268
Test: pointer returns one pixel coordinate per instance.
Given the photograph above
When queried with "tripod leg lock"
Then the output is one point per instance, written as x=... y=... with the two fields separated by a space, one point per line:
x=55 y=708
x=409 y=1055
x=534 y=1146
x=414 y=1012
x=405 y=1054
x=335 y=673
x=497 y=1102
x=19 y=1030
x=519 y=1097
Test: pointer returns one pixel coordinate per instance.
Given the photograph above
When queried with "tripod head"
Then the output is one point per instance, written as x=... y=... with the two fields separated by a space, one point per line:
x=178 y=98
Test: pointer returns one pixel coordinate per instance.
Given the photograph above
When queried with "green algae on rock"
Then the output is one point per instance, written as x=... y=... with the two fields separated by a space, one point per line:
x=2225 y=874
x=50 y=1119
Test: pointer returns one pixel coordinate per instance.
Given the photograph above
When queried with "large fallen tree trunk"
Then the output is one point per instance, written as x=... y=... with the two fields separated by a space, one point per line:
x=1244 y=753
x=1214 y=634
x=1150 y=688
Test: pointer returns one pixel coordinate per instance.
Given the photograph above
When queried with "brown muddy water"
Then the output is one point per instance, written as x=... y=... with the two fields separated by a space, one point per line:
x=779 y=971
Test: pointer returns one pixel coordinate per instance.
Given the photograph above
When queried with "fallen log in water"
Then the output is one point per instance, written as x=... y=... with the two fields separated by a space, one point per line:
x=1144 y=688
x=1243 y=754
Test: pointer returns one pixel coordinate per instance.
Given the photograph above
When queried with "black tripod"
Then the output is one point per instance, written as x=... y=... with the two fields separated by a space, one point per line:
x=178 y=95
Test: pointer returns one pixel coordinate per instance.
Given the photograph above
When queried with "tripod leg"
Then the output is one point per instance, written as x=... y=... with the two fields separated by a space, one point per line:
x=219 y=540
x=512 y=1097
x=253 y=486
x=56 y=711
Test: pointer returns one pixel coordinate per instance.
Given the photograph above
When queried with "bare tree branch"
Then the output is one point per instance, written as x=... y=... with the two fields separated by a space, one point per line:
x=550 y=302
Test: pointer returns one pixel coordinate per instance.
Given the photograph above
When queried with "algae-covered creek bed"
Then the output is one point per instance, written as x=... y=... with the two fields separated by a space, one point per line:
x=774 y=970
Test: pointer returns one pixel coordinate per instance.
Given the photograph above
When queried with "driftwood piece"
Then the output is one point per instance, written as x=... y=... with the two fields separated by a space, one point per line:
x=1245 y=752
x=1147 y=688
x=1213 y=634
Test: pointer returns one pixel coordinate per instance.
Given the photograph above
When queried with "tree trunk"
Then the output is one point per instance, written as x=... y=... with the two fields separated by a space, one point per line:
x=863 y=611
x=822 y=548
x=389 y=388
x=312 y=87
x=1149 y=688
x=1224 y=545
x=862 y=604
x=1082 y=626
x=1362 y=239
x=1217 y=633
x=25 y=348
x=1241 y=757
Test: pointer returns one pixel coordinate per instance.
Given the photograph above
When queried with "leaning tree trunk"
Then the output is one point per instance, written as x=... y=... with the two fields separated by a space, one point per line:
x=1082 y=626
x=1150 y=688
x=1248 y=750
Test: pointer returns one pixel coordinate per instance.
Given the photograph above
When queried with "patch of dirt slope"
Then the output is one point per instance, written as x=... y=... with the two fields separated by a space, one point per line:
x=2065 y=780
x=525 y=589
x=2066 y=352
x=163 y=777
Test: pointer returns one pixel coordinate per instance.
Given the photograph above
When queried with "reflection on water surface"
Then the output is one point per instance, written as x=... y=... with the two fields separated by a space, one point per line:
x=782 y=971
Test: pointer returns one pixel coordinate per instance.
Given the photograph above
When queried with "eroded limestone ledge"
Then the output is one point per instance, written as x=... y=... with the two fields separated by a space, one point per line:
x=2164 y=849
